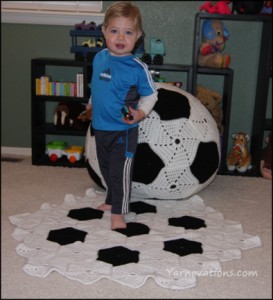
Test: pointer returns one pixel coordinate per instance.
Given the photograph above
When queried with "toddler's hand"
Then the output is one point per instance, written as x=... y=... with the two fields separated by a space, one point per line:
x=137 y=114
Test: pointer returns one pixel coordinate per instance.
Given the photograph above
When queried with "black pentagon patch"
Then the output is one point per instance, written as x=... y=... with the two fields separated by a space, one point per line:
x=118 y=256
x=206 y=161
x=187 y=222
x=183 y=247
x=147 y=164
x=86 y=213
x=172 y=105
x=140 y=207
x=134 y=229
x=66 y=236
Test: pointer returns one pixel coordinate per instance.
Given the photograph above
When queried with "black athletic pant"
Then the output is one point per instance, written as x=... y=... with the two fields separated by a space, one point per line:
x=115 y=152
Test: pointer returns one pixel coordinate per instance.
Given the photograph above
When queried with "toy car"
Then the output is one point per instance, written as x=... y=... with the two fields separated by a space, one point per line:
x=156 y=54
x=84 y=26
x=74 y=153
x=100 y=42
x=93 y=42
x=126 y=114
x=55 y=149
x=89 y=43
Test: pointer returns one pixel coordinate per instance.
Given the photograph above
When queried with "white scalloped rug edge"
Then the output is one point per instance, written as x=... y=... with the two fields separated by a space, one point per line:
x=172 y=241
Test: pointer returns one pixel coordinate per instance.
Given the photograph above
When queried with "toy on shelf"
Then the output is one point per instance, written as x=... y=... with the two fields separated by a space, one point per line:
x=74 y=153
x=221 y=7
x=66 y=116
x=86 y=50
x=214 y=36
x=239 y=157
x=91 y=43
x=86 y=26
x=267 y=8
x=157 y=51
x=56 y=149
x=266 y=158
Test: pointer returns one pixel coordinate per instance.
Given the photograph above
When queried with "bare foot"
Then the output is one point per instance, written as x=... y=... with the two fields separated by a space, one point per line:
x=104 y=206
x=117 y=221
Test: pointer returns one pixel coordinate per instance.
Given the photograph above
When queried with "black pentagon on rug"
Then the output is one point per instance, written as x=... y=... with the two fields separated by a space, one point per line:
x=65 y=236
x=118 y=256
x=134 y=229
x=183 y=247
x=86 y=213
x=140 y=207
x=206 y=161
x=147 y=164
x=172 y=105
x=187 y=222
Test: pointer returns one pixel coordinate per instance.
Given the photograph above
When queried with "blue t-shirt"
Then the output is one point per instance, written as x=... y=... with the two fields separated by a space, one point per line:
x=112 y=81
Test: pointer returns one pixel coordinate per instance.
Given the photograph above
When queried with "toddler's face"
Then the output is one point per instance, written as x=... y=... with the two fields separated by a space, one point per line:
x=120 y=36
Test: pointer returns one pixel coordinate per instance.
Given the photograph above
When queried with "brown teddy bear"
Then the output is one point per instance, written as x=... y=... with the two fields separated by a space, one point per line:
x=213 y=101
x=214 y=36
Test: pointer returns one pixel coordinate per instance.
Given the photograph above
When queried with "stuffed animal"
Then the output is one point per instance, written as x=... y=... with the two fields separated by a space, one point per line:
x=266 y=158
x=221 y=7
x=267 y=8
x=66 y=116
x=214 y=36
x=239 y=157
x=213 y=102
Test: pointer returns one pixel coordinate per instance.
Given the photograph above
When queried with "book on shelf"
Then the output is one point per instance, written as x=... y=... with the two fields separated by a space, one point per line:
x=45 y=87
x=57 y=88
x=79 y=85
x=38 y=86
x=49 y=90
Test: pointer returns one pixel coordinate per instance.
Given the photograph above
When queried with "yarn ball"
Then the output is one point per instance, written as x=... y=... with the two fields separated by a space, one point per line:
x=178 y=152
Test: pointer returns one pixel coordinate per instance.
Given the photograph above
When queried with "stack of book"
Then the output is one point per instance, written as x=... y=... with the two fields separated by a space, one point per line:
x=45 y=87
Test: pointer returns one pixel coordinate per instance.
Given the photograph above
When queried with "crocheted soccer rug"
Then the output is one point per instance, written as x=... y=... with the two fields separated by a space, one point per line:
x=171 y=241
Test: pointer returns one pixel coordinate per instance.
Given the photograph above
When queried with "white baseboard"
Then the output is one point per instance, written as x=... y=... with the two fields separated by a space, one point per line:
x=16 y=151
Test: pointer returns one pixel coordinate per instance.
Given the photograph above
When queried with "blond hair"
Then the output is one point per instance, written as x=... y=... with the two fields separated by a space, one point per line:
x=123 y=9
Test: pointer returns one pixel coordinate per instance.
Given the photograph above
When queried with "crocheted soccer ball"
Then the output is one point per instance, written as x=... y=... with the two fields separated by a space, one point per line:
x=178 y=152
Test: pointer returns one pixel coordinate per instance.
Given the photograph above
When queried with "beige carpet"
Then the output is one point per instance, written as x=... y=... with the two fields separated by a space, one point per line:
x=242 y=199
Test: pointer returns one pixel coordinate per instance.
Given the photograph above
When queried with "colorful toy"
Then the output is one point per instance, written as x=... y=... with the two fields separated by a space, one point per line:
x=86 y=50
x=214 y=36
x=239 y=157
x=267 y=8
x=266 y=159
x=86 y=26
x=156 y=54
x=56 y=149
x=74 y=153
x=221 y=7
x=91 y=43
